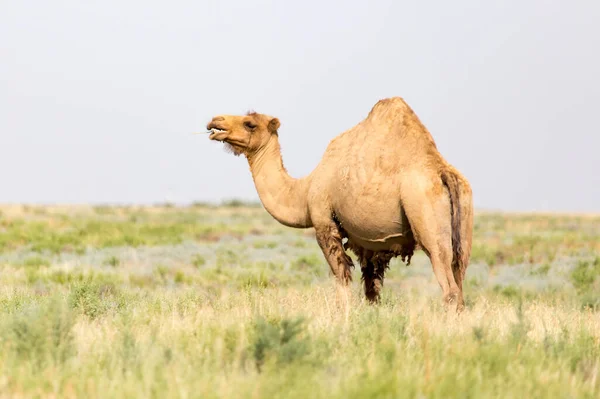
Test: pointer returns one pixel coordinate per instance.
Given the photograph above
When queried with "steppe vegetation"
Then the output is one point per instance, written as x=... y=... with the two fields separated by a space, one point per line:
x=223 y=302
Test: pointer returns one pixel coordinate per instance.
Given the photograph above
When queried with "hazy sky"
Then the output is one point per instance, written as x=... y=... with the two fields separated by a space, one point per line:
x=98 y=99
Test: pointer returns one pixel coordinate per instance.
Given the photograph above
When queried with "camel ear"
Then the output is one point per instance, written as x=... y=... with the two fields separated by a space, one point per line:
x=274 y=125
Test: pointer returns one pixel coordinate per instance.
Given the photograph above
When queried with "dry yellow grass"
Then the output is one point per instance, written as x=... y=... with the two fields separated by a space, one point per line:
x=257 y=315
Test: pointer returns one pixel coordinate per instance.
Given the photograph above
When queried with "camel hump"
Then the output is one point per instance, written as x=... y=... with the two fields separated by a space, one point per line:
x=393 y=104
x=391 y=101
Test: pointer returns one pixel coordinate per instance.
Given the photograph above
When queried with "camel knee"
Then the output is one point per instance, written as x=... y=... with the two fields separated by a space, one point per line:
x=344 y=264
x=454 y=299
x=340 y=263
x=341 y=266
x=451 y=297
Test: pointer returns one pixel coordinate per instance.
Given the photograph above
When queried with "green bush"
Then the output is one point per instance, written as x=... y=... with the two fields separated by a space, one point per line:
x=282 y=341
x=198 y=260
x=585 y=274
x=94 y=298
x=40 y=333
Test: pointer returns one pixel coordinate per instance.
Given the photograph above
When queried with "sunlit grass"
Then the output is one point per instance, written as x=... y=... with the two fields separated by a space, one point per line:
x=219 y=302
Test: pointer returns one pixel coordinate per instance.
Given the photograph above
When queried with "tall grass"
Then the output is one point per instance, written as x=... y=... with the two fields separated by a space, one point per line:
x=236 y=316
x=293 y=343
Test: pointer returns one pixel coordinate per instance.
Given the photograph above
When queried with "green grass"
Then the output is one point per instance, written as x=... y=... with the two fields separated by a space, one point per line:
x=173 y=312
x=586 y=274
x=199 y=260
x=56 y=233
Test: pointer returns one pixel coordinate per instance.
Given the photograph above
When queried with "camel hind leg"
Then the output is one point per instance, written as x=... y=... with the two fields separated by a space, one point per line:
x=461 y=204
x=427 y=207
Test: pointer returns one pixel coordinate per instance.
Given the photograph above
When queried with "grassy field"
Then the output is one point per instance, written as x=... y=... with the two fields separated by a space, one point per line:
x=223 y=302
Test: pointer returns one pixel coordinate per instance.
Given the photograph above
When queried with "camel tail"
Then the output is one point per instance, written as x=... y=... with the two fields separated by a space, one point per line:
x=461 y=214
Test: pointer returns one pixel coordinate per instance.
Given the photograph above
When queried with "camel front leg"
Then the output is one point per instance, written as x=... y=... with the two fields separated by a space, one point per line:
x=373 y=273
x=329 y=239
x=372 y=281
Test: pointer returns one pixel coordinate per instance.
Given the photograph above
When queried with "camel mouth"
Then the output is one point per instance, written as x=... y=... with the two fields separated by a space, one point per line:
x=217 y=134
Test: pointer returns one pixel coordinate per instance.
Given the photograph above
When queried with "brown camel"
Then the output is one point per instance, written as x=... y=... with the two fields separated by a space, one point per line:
x=382 y=185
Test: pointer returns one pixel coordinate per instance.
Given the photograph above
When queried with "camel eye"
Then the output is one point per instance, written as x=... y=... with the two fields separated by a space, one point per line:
x=249 y=125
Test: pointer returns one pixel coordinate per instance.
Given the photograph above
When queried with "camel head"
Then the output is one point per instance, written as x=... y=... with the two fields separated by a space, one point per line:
x=245 y=134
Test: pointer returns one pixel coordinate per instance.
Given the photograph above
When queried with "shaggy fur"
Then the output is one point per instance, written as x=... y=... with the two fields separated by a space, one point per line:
x=381 y=186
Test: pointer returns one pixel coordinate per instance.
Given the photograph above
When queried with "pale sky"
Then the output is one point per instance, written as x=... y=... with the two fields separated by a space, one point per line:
x=98 y=99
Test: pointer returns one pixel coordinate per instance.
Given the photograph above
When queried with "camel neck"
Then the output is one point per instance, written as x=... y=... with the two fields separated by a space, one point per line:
x=284 y=197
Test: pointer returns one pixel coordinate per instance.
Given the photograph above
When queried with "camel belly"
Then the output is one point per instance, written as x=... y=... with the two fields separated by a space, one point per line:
x=379 y=228
x=392 y=243
x=365 y=196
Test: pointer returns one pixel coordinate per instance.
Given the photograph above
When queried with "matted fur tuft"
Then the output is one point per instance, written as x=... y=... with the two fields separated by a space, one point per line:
x=228 y=148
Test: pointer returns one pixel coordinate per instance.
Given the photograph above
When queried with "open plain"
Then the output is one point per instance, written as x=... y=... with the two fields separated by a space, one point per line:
x=223 y=302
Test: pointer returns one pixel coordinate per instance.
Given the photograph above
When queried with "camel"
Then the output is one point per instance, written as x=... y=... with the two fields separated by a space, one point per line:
x=381 y=189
